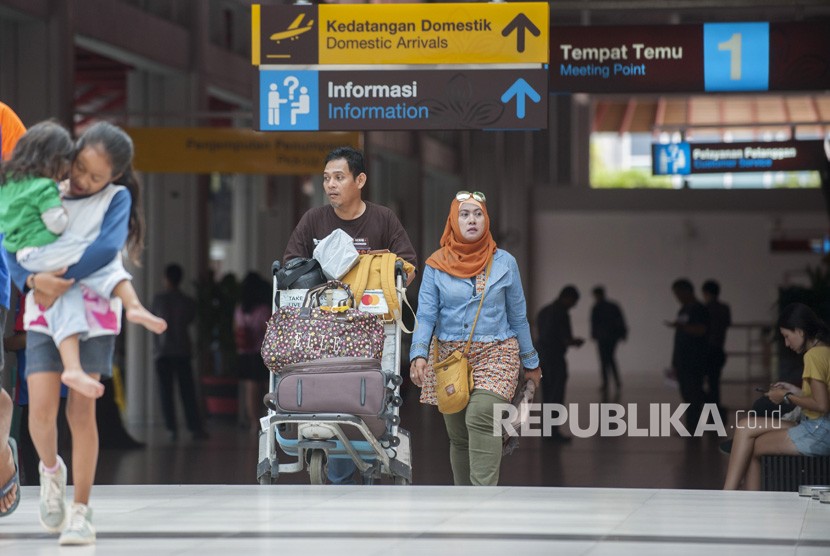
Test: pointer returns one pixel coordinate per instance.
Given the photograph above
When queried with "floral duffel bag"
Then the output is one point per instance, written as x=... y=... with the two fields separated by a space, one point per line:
x=318 y=331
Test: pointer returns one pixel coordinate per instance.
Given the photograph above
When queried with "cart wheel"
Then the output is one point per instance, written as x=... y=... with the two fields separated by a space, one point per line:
x=394 y=441
x=403 y=481
x=397 y=401
x=317 y=467
x=397 y=380
x=395 y=420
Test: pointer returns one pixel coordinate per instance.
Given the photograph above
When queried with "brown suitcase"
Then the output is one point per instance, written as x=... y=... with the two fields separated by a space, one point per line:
x=350 y=385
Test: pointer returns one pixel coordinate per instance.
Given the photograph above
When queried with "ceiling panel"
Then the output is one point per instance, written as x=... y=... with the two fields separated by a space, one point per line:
x=742 y=114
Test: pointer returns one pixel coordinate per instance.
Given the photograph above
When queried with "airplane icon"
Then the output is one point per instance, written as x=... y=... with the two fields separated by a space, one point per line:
x=293 y=31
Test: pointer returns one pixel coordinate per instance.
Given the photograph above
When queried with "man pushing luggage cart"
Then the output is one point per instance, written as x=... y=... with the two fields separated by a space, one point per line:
x=373 y=228
x=338 y=399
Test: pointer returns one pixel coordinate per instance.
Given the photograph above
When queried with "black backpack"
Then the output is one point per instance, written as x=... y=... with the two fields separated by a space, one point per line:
x=300 y=274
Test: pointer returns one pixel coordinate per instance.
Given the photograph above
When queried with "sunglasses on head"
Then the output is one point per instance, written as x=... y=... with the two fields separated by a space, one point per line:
x=462 y=196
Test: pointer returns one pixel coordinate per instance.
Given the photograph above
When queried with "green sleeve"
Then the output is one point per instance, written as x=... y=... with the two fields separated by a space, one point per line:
x=45 y=194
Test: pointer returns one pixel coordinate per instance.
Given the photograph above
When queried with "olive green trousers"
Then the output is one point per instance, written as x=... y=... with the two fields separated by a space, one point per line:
x=475 y=452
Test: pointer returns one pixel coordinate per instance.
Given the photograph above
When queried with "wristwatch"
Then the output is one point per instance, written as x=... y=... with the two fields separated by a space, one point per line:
x=787 y=397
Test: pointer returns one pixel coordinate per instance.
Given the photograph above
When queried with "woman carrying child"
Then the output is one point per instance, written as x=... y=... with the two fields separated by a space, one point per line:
x=34 y=221
x=103 y=155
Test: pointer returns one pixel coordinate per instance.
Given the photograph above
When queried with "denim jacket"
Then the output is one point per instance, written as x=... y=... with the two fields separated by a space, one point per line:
x=447 y=307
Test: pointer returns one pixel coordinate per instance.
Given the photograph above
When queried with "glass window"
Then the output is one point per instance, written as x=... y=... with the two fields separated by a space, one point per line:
x=624 y=130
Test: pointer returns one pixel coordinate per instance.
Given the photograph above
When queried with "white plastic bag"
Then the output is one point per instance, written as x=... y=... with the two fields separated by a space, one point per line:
x=336 y=254
x=522 y=400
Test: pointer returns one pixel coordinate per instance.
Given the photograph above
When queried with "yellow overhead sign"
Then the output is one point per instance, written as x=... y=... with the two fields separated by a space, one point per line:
x=500 y=33
x=234 y=151
x=434 y=33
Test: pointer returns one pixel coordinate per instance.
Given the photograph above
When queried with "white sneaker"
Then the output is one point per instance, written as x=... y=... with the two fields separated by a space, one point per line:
x=53 y=498
x=80 y=529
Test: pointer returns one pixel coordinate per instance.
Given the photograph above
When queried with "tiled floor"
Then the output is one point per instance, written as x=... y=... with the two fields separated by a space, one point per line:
x=300 y=519
x=229 y=457
x=622 y=495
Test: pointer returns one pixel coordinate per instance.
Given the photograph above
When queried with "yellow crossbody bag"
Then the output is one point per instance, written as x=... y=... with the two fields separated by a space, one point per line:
x=454 y=375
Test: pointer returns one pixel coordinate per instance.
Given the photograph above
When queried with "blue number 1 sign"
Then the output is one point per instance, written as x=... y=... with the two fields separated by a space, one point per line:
x=736 y=56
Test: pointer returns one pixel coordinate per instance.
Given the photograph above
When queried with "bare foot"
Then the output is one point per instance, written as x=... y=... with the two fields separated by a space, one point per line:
x=82 y=383
x=148 y=320
x=6 y=473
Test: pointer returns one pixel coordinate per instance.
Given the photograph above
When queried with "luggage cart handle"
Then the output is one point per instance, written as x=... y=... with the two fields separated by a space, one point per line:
x=275 y=267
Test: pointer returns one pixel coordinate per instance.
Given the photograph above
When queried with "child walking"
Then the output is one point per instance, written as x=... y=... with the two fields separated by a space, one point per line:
x=33 y=219
x=110 y=216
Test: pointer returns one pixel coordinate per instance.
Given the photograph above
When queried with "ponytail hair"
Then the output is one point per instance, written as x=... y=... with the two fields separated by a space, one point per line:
x=135 y=234
x=119 y=148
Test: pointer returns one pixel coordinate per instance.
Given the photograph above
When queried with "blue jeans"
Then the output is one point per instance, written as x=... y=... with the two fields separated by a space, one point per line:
x=341 y=471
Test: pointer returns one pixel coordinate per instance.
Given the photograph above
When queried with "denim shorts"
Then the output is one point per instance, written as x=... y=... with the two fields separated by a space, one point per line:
x=42 y=354
x=812 y=436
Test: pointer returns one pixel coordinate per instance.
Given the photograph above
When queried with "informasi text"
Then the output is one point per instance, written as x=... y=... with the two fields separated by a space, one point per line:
x=380 y=91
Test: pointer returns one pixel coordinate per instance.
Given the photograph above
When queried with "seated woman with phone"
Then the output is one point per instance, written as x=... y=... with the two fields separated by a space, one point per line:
x=805 y=333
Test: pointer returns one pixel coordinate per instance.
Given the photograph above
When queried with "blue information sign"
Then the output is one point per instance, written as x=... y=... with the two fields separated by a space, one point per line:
x=423 y=98
x=714 y=158
x=671 y=158
x=288 y=100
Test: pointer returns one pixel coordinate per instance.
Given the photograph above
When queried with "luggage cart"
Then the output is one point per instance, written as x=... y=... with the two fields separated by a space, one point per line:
x=312 y=439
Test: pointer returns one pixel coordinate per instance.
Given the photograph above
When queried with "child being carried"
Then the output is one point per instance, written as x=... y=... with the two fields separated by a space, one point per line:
x=33 y=219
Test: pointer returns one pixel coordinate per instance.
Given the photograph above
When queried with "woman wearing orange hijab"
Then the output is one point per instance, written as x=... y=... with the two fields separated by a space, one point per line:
x=11 y=129
x=451 y=289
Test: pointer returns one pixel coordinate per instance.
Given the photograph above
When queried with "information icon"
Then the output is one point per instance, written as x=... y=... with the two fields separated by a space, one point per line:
x=288 y=101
